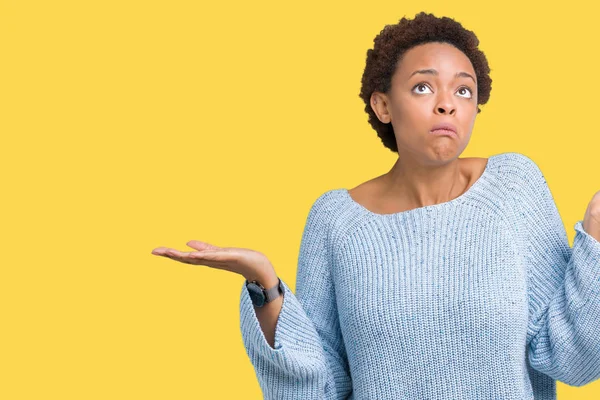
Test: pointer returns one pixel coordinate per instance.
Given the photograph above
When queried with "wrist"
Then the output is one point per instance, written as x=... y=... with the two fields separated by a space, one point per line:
x=267 y=278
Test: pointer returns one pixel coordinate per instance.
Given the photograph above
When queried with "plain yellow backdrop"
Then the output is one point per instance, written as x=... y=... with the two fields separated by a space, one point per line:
x=129 y=125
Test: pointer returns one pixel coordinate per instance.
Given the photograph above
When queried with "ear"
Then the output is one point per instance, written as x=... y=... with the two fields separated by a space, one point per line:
x=379 y=104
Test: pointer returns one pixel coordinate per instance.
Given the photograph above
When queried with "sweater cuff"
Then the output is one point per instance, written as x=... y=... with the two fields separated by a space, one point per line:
x=294 y=334
x=586 y=250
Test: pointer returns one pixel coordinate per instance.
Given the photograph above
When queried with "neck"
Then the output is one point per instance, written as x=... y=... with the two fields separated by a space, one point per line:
x=419 y=184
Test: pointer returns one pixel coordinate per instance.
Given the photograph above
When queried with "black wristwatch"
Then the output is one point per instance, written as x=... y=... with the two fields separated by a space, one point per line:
x=260 y=296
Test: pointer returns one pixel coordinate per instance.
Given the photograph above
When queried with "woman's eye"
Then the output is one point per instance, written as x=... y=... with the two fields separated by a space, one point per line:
x=420 y=85
x=463 y=89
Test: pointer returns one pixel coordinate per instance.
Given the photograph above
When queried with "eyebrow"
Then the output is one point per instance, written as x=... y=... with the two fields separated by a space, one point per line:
x=461 y=74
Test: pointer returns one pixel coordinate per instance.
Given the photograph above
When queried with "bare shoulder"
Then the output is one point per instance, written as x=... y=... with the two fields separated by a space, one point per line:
x=481 y=161
x=366 y=192
x=476 y=165
x=369 y=194
x=473 y=168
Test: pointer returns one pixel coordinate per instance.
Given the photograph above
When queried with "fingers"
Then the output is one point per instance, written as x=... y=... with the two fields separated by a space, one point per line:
x=179 y=255
x=160 y=251
x=233 y=259
x=192 y=257
x=199 y=245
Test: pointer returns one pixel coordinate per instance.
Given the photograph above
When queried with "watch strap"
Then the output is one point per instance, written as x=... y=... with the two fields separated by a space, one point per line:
x=265 y=295
x=274 y=292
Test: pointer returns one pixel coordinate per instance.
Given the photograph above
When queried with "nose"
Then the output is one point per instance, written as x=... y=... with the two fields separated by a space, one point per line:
x=445 y=106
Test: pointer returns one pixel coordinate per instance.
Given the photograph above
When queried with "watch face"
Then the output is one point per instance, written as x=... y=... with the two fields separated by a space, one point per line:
x=256 y=294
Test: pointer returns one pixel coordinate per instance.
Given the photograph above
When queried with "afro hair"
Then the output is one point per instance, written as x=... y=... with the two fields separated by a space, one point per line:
x=391 y=44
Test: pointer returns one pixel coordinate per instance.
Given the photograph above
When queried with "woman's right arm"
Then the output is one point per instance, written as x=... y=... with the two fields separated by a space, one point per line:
x=294 y=342
x=269 y=313
x=306 y=358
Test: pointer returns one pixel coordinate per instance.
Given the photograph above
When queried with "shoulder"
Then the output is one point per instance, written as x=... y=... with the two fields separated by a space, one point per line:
x=322 y=222
x=325 y=208
x=327 y=201
x=517 y=164
x=522 y=177
x=334 y=215
x=516 y=170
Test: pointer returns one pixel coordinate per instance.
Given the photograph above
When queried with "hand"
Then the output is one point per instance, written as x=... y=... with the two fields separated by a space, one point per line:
x=591 y=220
x=246 y=262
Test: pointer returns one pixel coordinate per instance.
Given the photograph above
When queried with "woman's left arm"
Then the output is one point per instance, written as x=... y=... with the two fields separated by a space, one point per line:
x=563 y=334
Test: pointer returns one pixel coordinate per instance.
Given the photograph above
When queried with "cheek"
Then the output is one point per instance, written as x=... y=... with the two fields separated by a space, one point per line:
x=414 y=115
x=472 y=115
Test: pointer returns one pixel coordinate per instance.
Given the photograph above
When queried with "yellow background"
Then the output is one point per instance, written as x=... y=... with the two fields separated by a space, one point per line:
x=129 y=125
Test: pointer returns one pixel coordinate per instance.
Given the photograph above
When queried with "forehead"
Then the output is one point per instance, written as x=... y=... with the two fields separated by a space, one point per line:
x=443 y=57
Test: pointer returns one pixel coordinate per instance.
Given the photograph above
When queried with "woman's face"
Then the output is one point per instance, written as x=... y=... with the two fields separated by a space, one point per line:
x=434 y=83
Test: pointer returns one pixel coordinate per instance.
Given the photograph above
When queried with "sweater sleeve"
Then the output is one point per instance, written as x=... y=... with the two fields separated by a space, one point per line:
x=563 y=287
x=309 y=359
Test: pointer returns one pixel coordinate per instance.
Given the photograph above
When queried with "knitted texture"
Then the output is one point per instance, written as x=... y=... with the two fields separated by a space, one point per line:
x=479 y=297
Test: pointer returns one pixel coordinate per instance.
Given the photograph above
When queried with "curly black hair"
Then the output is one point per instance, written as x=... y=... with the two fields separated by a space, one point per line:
x=391 y=44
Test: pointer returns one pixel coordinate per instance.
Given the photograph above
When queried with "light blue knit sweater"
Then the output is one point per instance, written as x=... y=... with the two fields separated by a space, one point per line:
x=479 y=297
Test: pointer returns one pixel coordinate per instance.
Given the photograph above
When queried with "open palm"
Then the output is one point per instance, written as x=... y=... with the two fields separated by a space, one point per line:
x=242 y=261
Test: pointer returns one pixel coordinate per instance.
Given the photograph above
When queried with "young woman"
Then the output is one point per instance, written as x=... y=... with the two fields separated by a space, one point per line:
x=444 y=278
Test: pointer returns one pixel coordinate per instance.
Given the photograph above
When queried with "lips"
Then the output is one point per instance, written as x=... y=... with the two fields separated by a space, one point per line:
x=444 y=132
x=445 y=129
x=444 y=126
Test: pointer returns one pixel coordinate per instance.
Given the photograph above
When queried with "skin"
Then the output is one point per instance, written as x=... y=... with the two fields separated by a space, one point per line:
x=428 y=170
